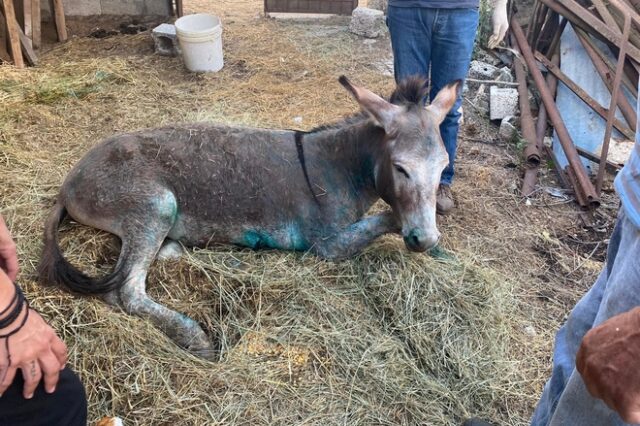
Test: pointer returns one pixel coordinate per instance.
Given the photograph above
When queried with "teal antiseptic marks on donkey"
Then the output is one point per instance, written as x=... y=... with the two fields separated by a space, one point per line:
x=290 y=237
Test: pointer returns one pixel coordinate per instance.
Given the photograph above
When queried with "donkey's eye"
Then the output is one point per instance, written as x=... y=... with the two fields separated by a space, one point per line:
x=401 y=170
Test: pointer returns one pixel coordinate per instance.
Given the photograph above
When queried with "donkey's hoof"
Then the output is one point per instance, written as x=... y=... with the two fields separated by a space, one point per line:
x=170 y=250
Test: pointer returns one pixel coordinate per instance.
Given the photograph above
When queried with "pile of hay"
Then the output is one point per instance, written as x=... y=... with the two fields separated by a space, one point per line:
x=388 y=337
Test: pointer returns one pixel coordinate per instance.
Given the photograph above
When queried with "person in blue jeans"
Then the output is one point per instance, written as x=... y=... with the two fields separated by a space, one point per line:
x=596 y=360
x=436 y=37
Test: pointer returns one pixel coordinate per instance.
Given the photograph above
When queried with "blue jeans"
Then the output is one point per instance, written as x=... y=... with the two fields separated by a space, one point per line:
x=565 y=399
x=440 y=39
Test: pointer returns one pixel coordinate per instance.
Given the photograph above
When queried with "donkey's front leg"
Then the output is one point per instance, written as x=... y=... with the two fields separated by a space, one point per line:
x=357 y=236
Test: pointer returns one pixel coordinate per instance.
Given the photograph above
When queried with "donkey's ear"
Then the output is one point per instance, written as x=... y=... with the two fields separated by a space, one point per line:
x=380 y=110
x=444 y=100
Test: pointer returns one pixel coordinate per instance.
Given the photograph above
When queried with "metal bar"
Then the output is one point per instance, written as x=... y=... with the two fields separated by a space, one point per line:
x=533 y=18
x=614 y=99
x=529 y=181
x=547 y=32
x=578 y=193
x=604 y=13
x=555 y=42
x=628 y=112
x=567 y=13
x=584 y=96
x=552 y=110
x=630 y=84
x=600 y=27
x=544 y=18
x=610 y=165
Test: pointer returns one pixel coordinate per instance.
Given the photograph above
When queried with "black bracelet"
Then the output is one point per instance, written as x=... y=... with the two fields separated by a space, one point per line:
x=12 y=332
x=17 y=303
x=15 y=296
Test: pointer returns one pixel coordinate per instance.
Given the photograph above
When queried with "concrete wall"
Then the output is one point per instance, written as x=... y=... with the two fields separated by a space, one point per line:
x=111 y=7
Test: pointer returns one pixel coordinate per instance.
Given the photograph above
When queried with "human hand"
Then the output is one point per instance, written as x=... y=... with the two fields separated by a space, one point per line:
x=500 y=23
x=609 y=362
x=35 y=349
x=8 y=253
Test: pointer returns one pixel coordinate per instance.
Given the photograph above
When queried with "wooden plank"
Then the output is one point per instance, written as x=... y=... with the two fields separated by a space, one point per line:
x=61 y=26
x=36 y=38
x=12 y=30
x=28 y=24
x=27 y=49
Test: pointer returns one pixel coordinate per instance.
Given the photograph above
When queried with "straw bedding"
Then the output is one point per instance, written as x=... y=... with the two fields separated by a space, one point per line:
x=387 y=337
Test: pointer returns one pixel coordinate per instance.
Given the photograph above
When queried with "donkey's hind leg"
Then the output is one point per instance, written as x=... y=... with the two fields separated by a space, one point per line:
x=143 y=240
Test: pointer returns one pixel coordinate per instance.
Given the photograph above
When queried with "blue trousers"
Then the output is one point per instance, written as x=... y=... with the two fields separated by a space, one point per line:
x=565 y=399
x=440 y=41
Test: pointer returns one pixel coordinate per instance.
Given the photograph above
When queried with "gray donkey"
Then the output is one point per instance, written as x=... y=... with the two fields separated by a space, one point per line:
x=198 y=184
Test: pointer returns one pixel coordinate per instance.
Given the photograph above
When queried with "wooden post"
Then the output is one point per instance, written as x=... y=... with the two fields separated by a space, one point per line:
x=28 y=24
x=12 y=30
x=35 y=24
x=61 y=27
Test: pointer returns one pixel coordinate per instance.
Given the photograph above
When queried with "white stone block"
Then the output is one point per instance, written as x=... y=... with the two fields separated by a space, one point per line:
x=503 y=102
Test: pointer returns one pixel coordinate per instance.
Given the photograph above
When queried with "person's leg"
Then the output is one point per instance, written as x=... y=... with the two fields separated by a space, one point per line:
x=565 y=399
x=454 y=32
x=567 y=340
x=409 y=28
x=67 y=406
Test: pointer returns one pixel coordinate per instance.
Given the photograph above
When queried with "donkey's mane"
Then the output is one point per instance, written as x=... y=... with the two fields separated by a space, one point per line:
x=410 y=92
x=347 y=121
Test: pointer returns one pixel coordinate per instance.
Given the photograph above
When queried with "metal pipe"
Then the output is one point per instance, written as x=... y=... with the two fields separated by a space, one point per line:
x=531 y=151
x=568 y=147
x=614 y=100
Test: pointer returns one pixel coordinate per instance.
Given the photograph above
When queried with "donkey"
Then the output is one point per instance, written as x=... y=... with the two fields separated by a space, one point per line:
x=197 y=184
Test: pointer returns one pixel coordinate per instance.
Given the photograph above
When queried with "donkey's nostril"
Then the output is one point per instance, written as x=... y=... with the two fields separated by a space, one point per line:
x=418 y=240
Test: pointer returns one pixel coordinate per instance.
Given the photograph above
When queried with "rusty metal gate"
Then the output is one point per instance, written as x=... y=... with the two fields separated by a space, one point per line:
x=338 y=7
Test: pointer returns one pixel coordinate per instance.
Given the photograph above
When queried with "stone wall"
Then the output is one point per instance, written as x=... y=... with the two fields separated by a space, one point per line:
x=111 y=7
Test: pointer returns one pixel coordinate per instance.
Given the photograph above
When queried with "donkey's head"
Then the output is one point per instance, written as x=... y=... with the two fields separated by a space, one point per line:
x=412 y=156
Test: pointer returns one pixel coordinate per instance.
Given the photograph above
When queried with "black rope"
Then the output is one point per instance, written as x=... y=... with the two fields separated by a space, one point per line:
x=298 y=138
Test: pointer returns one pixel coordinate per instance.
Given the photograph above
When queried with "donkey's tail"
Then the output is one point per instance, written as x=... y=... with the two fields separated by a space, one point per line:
x=55 y=269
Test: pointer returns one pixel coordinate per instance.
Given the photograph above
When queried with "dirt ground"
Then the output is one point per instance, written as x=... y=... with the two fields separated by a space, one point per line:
x=542 y=247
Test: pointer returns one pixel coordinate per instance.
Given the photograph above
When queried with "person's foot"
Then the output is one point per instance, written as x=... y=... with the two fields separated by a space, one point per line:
x=444 y=199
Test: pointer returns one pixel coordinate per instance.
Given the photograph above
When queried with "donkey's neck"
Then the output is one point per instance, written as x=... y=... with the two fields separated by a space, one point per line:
x=353 y=148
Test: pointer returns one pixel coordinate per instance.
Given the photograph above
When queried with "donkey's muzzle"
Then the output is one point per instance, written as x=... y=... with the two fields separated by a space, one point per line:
x=419 y=240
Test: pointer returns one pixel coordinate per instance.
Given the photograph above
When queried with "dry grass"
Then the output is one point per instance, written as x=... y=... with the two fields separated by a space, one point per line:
x=385 y=338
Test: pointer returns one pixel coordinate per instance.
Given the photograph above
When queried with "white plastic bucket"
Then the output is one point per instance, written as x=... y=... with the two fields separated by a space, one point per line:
x=200 y=38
